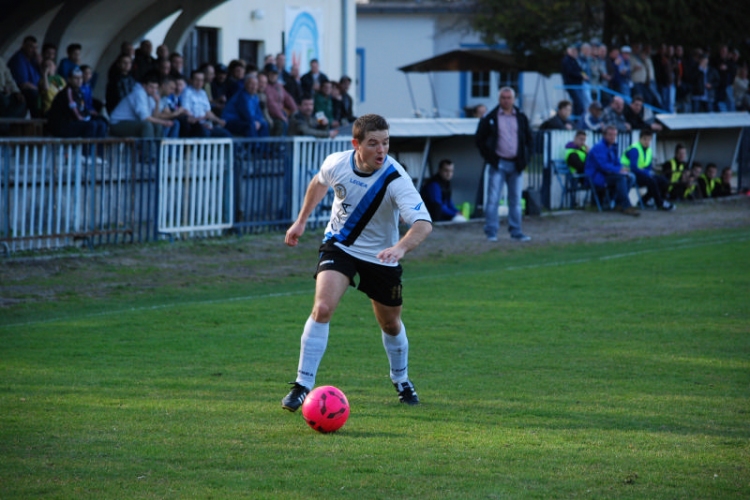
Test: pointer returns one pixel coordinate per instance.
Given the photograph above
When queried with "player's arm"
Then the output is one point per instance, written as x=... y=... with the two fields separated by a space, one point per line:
x=416 y=234
x=314 y=194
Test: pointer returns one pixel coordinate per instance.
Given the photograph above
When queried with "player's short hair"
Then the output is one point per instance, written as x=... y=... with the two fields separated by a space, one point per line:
x=368 y=123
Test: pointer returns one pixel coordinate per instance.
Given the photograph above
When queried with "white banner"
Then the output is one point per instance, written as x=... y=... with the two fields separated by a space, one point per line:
x=304 y=36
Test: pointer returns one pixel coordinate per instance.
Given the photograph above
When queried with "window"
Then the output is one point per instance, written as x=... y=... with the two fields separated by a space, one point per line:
x=480 y=84
x=200 y=47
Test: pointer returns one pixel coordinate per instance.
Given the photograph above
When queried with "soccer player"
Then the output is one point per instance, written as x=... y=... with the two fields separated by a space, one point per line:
x=372 y=191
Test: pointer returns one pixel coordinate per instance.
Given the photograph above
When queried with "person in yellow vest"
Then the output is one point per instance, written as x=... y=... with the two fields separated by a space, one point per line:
x=575 y=153
x=708 y=183
x=673 y=169
x=639 y=158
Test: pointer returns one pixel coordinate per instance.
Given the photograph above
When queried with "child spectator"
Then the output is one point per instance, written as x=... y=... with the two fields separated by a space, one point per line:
x=73 y=60
x=575 y=153
x=49 y=84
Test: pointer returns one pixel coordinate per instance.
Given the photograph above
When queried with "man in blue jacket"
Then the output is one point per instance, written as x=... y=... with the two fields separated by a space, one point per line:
x=604 y=169
x=243 y=114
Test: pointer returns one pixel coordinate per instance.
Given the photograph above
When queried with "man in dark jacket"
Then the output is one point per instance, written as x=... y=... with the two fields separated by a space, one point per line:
x=504 y=140
x=561 y=120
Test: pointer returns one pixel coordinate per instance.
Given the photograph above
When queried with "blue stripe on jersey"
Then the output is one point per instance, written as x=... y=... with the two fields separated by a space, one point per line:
x=367 y=207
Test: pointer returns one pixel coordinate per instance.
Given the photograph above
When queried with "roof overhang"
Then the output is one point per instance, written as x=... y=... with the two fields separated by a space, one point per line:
x=702 y=121
x=465 y=60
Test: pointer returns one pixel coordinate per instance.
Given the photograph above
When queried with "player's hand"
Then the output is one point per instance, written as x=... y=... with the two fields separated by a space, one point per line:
x=293 y=234
x=390 y=255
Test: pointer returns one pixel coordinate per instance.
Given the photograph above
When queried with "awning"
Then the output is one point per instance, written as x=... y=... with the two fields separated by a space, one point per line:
x=696 y=121
x=432 y=127
x=465 y=60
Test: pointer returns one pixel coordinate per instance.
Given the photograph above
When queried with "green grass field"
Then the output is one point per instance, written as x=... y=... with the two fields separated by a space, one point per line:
x=588 y=371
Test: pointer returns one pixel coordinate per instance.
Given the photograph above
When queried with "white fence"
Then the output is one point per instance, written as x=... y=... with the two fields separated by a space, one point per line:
x=196 y=191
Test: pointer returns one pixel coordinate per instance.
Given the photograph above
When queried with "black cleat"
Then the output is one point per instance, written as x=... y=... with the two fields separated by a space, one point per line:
x=406 y=393
x=295 y=398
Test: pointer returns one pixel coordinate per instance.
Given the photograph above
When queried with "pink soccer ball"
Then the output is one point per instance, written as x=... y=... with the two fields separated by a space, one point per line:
x=325 y=409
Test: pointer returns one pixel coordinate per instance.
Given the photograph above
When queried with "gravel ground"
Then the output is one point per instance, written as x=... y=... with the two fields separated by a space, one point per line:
x=139 y=268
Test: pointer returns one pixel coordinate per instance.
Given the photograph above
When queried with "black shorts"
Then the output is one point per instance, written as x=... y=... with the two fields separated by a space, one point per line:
x=381 y=283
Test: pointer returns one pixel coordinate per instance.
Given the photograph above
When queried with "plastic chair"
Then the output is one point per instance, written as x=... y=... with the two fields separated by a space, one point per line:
x=571 y=183
x=603 y=197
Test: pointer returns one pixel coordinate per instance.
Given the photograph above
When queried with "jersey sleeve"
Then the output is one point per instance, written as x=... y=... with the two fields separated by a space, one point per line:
x=410 y=204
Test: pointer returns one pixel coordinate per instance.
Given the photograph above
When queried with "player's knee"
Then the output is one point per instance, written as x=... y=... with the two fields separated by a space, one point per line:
x=322 y=312
x=392 y=327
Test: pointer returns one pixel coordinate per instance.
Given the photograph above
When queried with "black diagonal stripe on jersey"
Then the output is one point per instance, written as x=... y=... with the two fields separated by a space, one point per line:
x=370 y=209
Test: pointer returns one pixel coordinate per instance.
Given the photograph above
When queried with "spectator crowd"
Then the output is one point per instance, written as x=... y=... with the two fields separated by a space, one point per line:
x=151 y=94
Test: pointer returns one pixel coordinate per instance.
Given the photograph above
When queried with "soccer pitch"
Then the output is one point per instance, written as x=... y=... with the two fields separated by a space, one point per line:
x=617 y=370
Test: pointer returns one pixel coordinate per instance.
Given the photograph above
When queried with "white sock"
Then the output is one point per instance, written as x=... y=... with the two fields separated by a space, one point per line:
x=312 y=347
x=397 y=349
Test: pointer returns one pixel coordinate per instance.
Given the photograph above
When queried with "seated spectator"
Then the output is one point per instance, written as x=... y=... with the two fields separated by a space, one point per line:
x=126 y=49
x=634 y=115
x=263 y=98
x=164 y=68
x=304 y=123
x=673 y=168
x=561 y=120
x=162 y=52
x=72 y=61
x=437 y=195
x=707 y=183
x=68 y=115
x=93 y=105
x=49 y=52
x=687 y=188
x=591 y=119
x=209 y=72
x=576 y=152
x=121 y=84
x=348 y=103
x=639 y=158
x=313 y=79
x=479 y=111
x=169 y=108
x=605 y=171
x=614 y=115
x=49 y=85
x=725 y=183
x=293 y=84
x=201 y=121
x=242 y=112
x=136 y=115
x=323 y=103
x=12 y=101
x=278 y=101
x=25 y=69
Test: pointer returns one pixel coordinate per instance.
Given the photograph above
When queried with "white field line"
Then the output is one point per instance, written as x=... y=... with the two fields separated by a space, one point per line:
x=684 y=244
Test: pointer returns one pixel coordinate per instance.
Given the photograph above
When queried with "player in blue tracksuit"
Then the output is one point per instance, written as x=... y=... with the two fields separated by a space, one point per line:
x=372 y=193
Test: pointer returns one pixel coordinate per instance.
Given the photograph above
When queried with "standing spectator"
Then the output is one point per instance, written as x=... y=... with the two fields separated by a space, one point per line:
x=591 y=119
x=126 y=49
x=619 y=68
x=639 y=158
x=143 y=62
x=313 y=79
x=599 y=75
x=25 y=69
x=653 y=97
x=705 y=82
x=614 y=115
x=201 y=120
x=136 y=114
x=120 y=84
x=278 y=101
x=304 y=123
x=242 y=112
x=347 y=102
x=219 y=90
x=68 y=115
x=49 y=85
x=638 y=72
x=177 y=63
x=438 y=197
x=561 y=119
x=740 y=90
x=707 y=183
x=362 y=237
x=73 y=60
x=681 y=81
x=605 y=171
x=12 y=101
x=281 y=64
x=162 y=52
x=664 y=74
x=727 y=70
x=585 y=60
x=293 y=84
x=504 y=140
x=572 y=75
x=324 y=103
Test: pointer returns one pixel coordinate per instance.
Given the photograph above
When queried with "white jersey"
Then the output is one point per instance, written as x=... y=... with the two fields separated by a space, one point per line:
x=366 y=207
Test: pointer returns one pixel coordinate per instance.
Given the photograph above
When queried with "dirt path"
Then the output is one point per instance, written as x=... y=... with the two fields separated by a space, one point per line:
x=139 y=268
